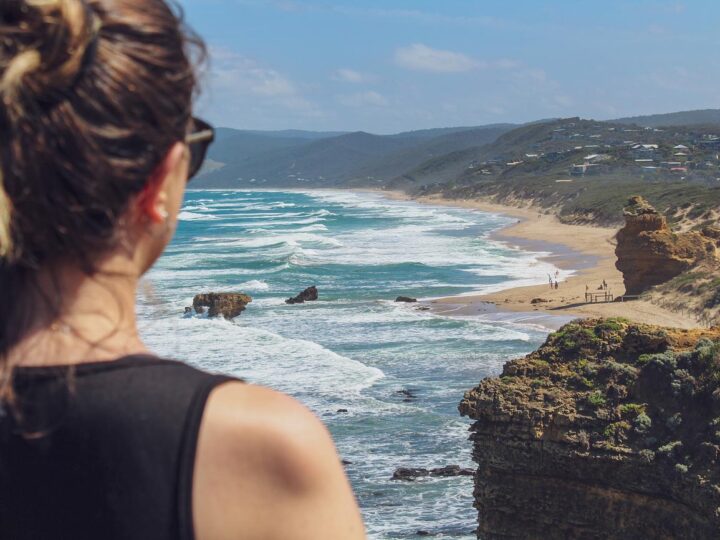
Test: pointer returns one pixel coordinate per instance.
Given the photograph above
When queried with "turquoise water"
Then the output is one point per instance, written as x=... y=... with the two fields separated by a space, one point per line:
x=355 y=349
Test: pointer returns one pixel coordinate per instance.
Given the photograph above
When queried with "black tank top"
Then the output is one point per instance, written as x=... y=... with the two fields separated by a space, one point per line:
x=102 y=451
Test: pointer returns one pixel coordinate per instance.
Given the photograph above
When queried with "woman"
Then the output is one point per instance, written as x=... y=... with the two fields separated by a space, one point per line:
x=99 y=438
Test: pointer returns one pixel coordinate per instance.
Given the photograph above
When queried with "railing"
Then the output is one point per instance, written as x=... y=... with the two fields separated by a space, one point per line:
x=596 y=297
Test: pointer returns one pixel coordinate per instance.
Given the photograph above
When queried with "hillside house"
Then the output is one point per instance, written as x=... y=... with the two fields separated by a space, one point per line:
x=645 y=150
x=584 y=170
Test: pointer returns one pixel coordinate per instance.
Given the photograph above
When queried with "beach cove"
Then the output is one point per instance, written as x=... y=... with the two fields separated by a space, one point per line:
x=385 y=377
x=586 y=252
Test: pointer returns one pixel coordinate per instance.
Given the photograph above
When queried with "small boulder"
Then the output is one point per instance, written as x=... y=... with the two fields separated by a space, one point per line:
x=407 y=474
x=308 y=295
x=410 y=474
x=451 y=471
x=228 y=305
x=406 y=299
x=407 y=395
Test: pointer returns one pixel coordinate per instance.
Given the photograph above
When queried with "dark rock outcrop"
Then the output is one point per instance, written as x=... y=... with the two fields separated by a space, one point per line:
x=406 y=300
x=410 y=474
x=407 y=395
x=650 y=254
x=308 y=295
x=609 y=430
x=228 y=305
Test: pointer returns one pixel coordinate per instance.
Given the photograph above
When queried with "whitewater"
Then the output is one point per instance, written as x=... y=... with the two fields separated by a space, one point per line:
x=354 y=356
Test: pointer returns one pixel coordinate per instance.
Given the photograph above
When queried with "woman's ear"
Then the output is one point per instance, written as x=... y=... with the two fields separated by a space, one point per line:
x=153 y=200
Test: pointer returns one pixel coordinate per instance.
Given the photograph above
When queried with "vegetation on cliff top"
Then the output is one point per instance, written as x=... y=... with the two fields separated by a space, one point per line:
x=650 y=389
x=616 y=407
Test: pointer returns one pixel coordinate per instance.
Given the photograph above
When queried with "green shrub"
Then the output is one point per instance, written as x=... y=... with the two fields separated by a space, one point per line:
x=610 y=326
x=580 y=382
x=664 y=361
x=647 y=456
x=616 y=430
x=632 y=409
x=682 y=469
x=670 y=448
x=596 y=399
x=642 y=423
x=683 y=383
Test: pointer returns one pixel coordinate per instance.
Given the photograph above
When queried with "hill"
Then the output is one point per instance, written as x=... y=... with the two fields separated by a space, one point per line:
x=685 y=118
x=585 y=170
x=250 y=158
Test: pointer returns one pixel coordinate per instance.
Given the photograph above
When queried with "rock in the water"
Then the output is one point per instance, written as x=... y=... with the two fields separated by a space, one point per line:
x=409 y=474
x=406 y=299
x=188 y=310
x=407 y=395
x=609 y=430
x=228 y=305
x=308 y=295
x=451 y=471
x=650 y=254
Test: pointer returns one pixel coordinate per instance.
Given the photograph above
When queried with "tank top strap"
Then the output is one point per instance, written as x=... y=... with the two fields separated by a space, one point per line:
x=188 y=452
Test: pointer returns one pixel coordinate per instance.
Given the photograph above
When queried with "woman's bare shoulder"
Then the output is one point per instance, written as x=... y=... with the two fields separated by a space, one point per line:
x=265 y=465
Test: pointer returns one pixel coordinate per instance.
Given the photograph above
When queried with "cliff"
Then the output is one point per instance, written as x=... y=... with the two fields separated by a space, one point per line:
x=609 y=430
x=650 y=254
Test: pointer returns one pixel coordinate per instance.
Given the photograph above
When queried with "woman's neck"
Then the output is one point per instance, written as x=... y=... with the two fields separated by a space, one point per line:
x=93 y=318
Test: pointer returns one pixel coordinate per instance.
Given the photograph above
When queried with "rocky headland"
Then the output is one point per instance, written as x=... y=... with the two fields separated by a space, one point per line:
x=649 y=253
x=609 y=430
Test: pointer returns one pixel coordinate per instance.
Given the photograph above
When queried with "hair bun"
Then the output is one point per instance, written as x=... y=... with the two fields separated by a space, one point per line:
x=42 y=47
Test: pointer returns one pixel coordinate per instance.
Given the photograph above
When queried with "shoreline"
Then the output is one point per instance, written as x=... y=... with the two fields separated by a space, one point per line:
x=586 y=250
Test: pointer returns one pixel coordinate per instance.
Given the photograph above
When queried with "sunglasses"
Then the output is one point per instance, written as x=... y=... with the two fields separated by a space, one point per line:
x=199 y=140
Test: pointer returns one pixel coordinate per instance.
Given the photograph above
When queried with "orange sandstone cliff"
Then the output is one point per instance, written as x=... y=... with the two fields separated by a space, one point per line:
x=649 y=253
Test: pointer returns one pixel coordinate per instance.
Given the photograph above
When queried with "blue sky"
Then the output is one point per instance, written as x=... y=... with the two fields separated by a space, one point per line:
x=395 y=65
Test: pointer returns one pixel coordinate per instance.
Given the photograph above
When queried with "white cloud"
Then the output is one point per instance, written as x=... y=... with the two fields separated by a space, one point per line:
x=419 y=57
x=234 y=77
x=352 y=76
x=363 y=99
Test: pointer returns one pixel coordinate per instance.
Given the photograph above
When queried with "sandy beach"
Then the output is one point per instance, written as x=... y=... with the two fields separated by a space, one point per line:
x=587 y=250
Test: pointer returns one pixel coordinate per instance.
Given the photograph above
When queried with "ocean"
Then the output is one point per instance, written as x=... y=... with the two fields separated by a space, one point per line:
x=398 y=372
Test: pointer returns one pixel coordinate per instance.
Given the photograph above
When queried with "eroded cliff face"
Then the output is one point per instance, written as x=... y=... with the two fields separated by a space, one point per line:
x=609 y=430
x=650 y=254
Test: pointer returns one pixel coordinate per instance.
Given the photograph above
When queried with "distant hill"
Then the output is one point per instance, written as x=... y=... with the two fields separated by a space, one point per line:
x=241 y=158
x=685 y=118
x=585 y=170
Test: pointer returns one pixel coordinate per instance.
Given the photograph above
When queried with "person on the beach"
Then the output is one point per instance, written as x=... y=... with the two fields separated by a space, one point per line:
x=99 y=438
x=605 y=285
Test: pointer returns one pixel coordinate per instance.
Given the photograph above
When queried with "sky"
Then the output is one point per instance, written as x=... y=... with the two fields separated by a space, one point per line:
x=387 y=66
